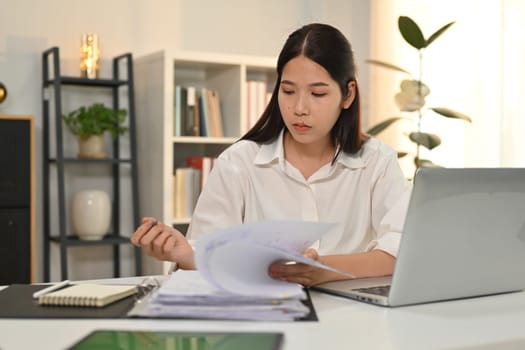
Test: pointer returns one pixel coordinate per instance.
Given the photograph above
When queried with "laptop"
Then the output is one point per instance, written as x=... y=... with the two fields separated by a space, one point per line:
x=464 y=236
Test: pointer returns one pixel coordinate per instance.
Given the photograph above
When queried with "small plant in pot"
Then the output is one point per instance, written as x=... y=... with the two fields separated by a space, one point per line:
x=90 y=124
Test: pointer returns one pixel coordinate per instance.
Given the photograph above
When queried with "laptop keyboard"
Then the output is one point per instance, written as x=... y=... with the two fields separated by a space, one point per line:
x=378 y=290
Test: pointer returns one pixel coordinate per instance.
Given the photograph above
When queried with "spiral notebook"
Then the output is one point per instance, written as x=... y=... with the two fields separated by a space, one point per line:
x=87 y=295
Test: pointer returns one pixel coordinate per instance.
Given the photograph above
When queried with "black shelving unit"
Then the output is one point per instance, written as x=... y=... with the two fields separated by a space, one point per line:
x=59 y=235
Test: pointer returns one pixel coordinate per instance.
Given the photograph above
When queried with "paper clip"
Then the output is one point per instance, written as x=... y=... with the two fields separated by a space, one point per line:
x=145 y=288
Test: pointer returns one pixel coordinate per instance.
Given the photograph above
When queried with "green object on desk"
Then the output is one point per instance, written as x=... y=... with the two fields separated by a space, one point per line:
x=140 y=340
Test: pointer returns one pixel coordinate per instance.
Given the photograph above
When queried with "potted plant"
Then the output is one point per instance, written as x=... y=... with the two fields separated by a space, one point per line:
x=90 y=124
x=413 y=92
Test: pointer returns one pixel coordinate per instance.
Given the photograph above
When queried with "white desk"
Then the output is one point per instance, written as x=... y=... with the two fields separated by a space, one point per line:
x=494 y=322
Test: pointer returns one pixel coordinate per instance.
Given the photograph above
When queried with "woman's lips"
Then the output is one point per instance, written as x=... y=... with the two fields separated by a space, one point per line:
x=301 y=127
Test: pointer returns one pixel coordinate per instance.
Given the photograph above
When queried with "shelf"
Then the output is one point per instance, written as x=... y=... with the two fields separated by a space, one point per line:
x=57 y=183
x=109 y=239
x=87 y=82
x=91 y=160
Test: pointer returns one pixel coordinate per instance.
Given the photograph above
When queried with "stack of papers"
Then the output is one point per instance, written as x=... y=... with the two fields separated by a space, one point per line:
x=232 y=282
x=187 y=295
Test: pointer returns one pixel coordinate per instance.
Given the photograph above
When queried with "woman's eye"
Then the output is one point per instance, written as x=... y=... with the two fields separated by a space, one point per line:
x=318 y=94
x=287 y=92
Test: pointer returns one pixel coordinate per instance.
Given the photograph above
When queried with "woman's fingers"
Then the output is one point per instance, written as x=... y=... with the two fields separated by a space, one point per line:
x=163 y=242
x=304 y=274
x=141 y=231
x=159 y=242
x=284 y=271
x=311 y=253
x=152 y=236
x=148 y=219
x=149 y=233
x=169 y=244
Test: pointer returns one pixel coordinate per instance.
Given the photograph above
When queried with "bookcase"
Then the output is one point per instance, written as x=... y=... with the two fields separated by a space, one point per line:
x=160 y=153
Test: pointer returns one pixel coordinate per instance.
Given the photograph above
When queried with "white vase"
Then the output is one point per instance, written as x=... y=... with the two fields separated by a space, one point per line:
x=91 y=147
x=91 y=214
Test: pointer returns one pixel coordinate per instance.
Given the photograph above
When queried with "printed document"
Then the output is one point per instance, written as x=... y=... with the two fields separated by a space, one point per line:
x=231 y=280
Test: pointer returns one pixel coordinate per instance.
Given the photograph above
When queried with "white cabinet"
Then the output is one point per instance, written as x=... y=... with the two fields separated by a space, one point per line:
x=159 y=152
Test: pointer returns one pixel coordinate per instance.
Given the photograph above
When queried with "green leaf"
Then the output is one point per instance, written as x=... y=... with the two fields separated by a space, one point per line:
x=379 y=127
x=424 y=139
x=438 y=33
x=389 y=66
x=411 y=32
x=95 y=120
x=449 y=113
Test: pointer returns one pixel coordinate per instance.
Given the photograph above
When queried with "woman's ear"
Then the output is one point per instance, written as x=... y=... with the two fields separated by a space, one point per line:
x=347 y=101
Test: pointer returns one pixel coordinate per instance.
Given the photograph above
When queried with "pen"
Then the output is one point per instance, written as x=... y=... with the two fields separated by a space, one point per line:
x=50 y=289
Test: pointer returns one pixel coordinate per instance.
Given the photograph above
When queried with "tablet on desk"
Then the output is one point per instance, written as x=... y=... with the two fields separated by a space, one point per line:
x=139 y=340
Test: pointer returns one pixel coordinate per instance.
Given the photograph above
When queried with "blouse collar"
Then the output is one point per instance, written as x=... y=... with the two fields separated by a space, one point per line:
x=274 y=152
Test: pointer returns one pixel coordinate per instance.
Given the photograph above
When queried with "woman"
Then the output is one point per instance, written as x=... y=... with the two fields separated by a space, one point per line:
x=305 y=159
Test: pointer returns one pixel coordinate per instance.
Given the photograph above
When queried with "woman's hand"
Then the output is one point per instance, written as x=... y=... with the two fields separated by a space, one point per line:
x=299 y=273
x=373 y=263
x=163 y=242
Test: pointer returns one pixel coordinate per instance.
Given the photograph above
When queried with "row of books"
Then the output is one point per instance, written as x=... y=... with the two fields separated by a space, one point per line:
x=257 y=99
x=189 y=180
x=197 y=112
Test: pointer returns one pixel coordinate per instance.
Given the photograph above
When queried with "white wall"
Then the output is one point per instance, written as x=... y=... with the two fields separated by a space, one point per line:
x=475 y=67
x=28 y=27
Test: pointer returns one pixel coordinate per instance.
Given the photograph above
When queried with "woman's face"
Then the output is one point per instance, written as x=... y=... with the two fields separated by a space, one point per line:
x=310 y=101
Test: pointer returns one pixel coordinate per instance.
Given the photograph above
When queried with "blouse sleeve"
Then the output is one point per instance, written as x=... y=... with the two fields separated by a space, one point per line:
x=390 y=197
x=221 y=202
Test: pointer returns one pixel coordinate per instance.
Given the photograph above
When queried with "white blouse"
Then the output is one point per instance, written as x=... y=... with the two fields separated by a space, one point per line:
x=365 y=194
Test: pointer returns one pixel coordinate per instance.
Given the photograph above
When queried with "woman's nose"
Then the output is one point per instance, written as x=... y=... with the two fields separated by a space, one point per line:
x=301 y=106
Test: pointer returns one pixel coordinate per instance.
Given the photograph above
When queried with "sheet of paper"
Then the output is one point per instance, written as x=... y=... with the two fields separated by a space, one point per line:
x=190 y=285
x=237 y=259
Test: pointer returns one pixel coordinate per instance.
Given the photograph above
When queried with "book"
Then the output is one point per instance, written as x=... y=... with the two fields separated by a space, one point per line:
x=196 y=114
x=87 y=295
x=183 y=111
x=214 y=113
x=257 y=98
x=189 y=111
x=17 y=301
x=177 y=111
x=186 y=190
x=204 y=121
x=179 y=193
x=202 y=164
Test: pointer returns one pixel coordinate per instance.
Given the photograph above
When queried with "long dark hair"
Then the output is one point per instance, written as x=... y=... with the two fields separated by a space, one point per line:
x=328 y=47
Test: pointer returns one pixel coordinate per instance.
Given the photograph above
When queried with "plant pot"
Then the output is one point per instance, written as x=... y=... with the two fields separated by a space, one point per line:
x=91 y=214
x=91 y=147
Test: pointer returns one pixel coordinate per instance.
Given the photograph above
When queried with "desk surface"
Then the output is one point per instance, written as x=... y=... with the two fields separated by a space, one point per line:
x=493 y=322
